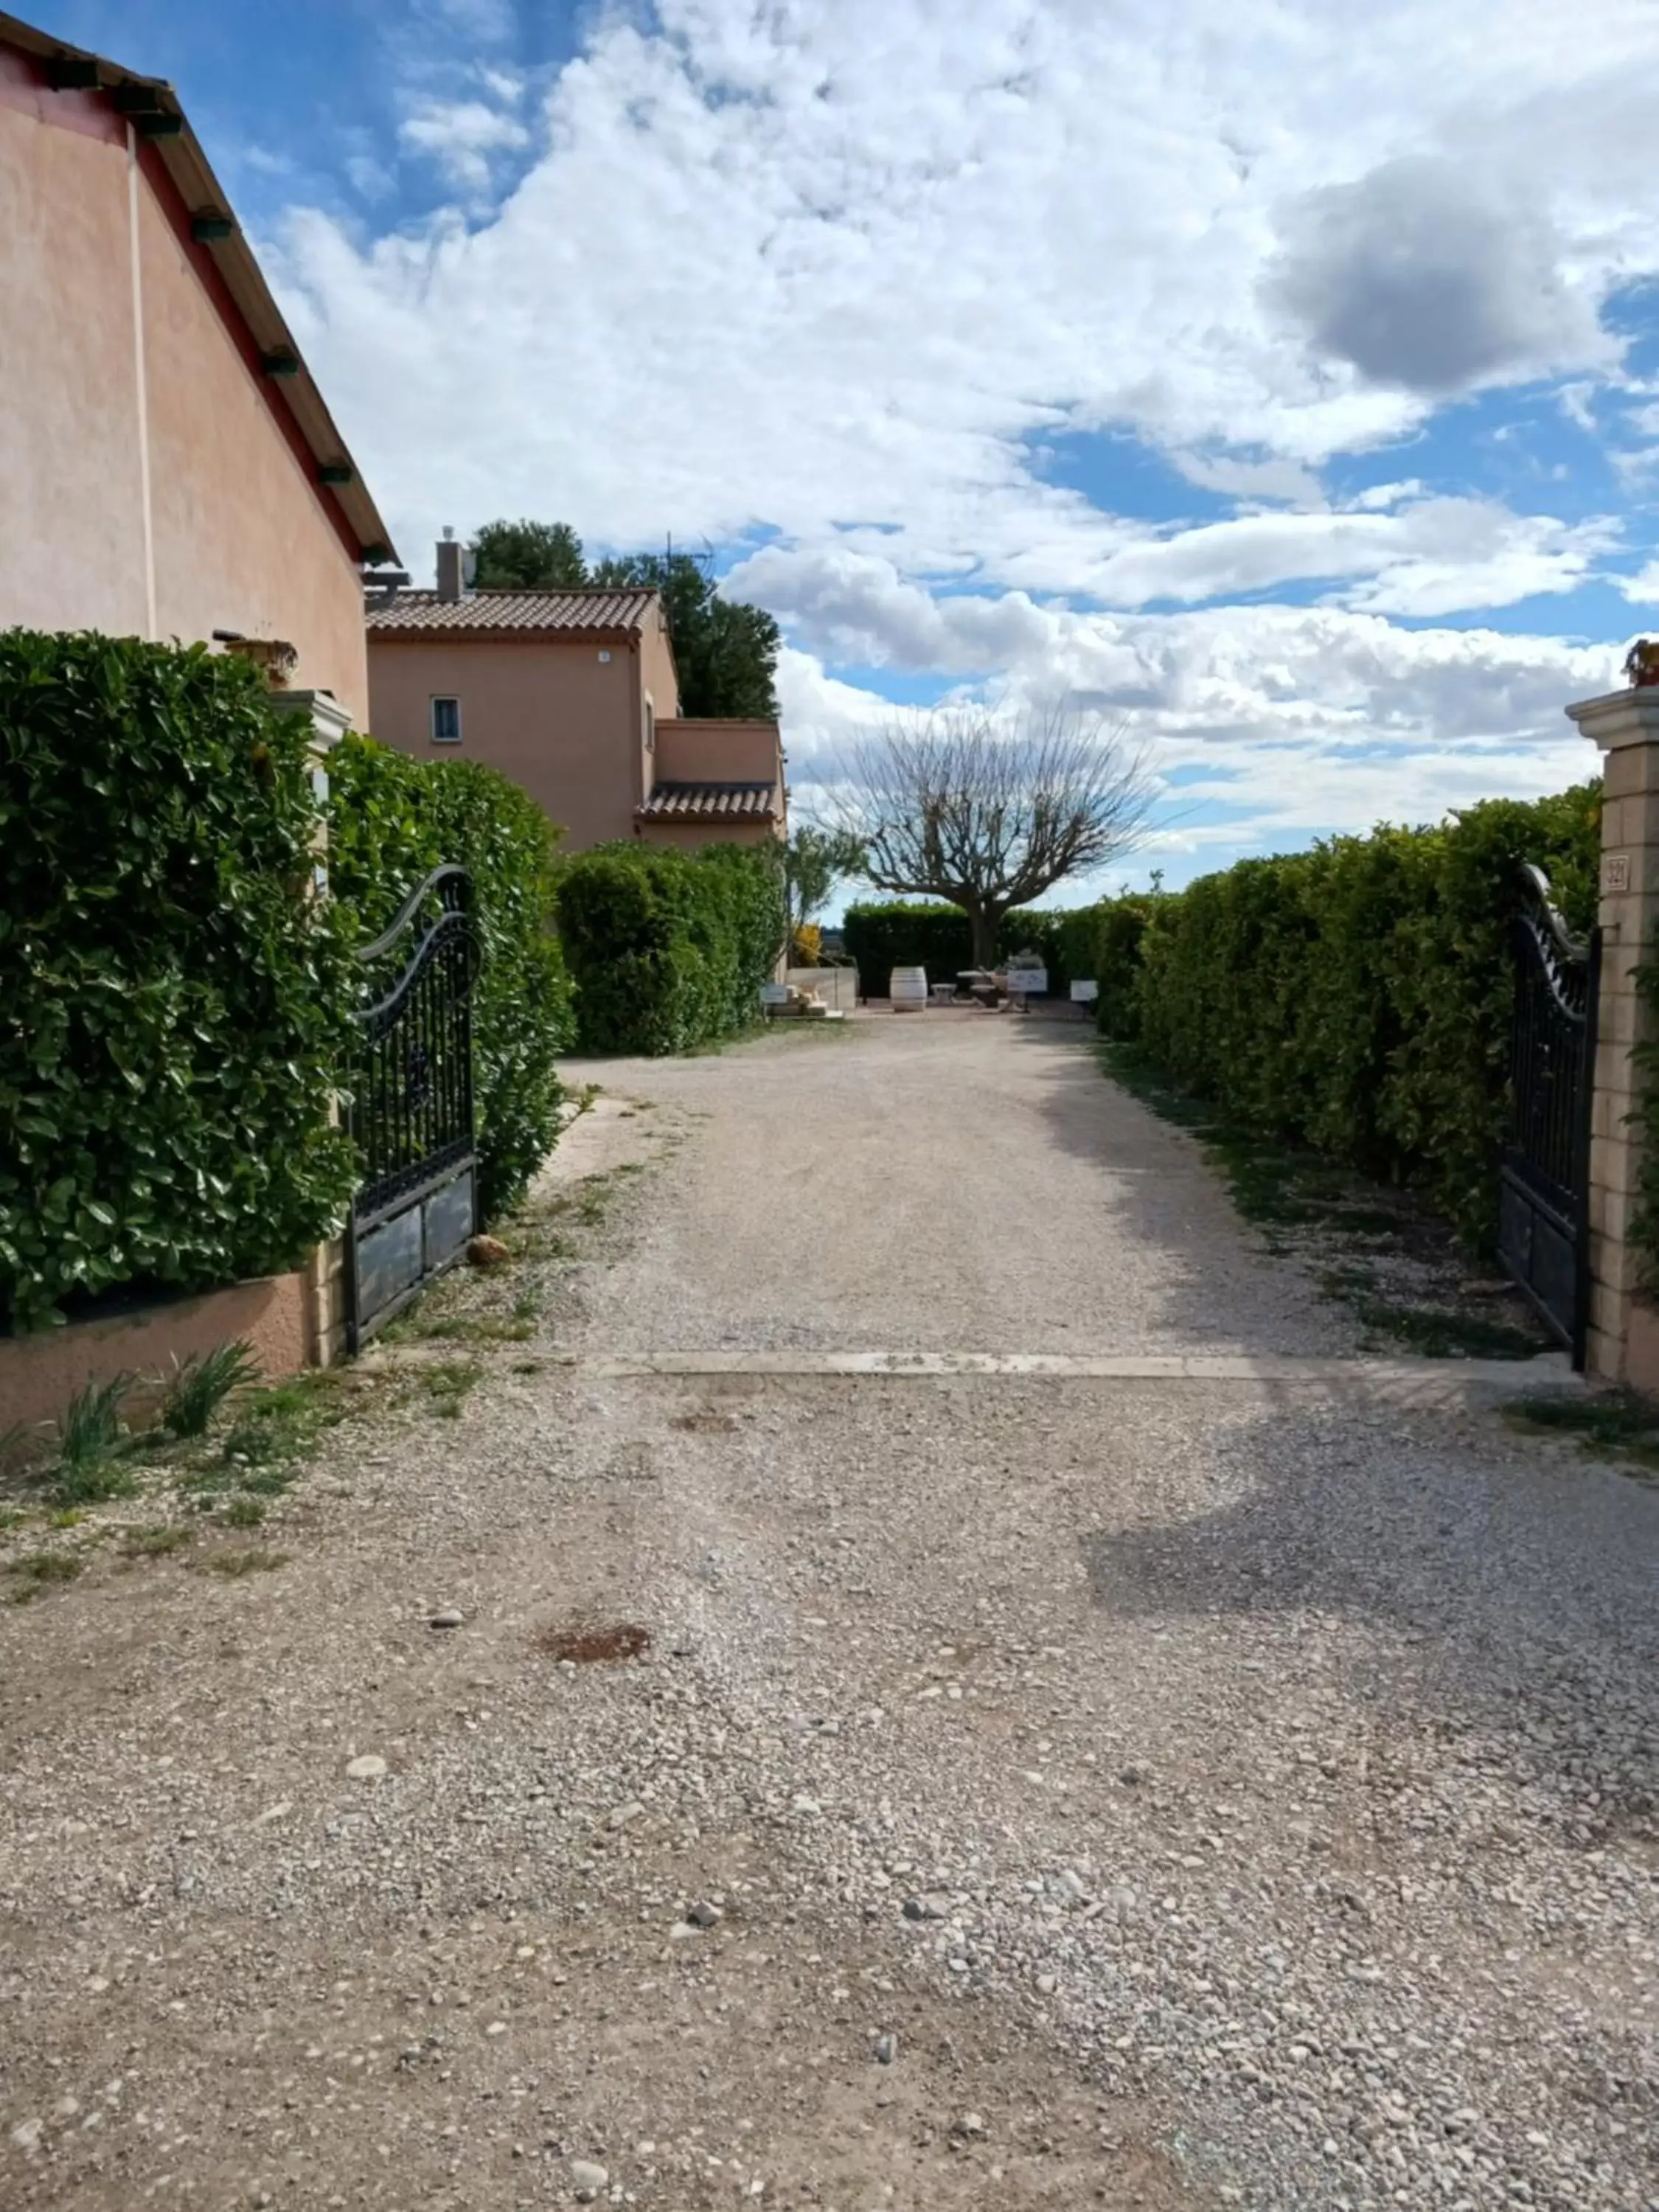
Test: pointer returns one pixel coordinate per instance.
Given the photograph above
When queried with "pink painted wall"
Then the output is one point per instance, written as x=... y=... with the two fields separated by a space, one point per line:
x=548 y=713
x=713 y=752
x=41 y=1373
x=244 y=538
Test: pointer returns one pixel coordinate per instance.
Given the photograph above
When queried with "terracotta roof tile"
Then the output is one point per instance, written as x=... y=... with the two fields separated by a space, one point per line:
x=750 y=802
x=589 y=613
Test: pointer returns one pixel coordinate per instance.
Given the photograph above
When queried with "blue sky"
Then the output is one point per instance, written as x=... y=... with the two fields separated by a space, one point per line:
x=1290 y=398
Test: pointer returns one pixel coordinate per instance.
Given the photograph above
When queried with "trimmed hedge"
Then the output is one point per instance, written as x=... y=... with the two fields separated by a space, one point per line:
x=669 y=950
x=176 y=1001
x=882 y=935
x=1356 y=998
x=392 y=821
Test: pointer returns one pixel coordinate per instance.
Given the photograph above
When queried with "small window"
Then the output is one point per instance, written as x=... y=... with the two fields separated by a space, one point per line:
x=650 y=726
x=445 y=721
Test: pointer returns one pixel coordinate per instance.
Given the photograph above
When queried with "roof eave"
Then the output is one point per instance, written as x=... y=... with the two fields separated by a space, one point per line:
x=508 y=634
x=191 y=172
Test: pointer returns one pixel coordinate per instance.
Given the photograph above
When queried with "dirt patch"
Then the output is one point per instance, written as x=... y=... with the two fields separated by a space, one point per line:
x=591 y=1646
x=705 y=1421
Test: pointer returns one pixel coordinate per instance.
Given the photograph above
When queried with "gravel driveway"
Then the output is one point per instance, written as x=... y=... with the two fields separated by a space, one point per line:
x=1035 y=1791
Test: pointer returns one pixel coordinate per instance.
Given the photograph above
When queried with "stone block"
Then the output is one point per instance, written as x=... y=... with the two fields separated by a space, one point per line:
x=1641 y=1347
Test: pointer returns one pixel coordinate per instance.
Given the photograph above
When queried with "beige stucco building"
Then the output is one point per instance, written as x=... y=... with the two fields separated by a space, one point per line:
x=167 y=467
x=574 y=695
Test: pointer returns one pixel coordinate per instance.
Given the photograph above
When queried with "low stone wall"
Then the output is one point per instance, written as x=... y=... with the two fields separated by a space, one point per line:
x=278 y=1315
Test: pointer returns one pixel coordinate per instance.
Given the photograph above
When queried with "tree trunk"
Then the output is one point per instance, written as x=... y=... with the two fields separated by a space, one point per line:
x=985 y=938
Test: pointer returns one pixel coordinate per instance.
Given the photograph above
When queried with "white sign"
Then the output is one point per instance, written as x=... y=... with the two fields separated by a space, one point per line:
x=1028 y=979
x=774 y=995
x=1084 y=994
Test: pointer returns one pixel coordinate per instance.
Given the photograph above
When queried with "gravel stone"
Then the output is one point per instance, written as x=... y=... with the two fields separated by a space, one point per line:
x=1373 y=1930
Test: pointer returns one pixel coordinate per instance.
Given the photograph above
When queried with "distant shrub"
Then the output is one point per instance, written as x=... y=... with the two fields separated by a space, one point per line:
x=1356 y=998
x=882 y=935
x=669 y=950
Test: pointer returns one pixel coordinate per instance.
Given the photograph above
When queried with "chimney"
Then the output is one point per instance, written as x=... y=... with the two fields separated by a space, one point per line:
x=449 y=566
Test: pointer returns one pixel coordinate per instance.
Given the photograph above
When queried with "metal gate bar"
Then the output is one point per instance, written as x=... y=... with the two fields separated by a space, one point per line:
x=411 y=1111
x=1543 y=1235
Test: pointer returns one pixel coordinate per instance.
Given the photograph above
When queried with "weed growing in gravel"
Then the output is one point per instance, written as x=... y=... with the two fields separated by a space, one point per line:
x=37 y=1571
x=448 y=1384
x=244 y=1512
x=238 y=1564
x=286 y=1421
x=156 y=1543
x=1617 y=1423
x=199 y=1388
x=1437 y=1333
x=479 y=1328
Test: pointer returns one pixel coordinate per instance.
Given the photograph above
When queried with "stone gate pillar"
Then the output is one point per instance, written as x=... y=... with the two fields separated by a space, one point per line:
x=1624 y=1329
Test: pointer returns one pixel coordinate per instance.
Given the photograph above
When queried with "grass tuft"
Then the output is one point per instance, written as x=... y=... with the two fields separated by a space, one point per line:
x=447 y=1383
x=198 y=1387
x=238 y=1564
x=39 y=1571
x=156 y=1543
x=284 y=1421
x=1618 y=1423
x=92 y=1442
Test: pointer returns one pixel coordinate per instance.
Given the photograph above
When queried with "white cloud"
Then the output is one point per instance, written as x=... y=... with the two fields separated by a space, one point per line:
x=854 y=278
x=1425 y=558
x=792 y=264
x=462 y=136
x=1271 y=724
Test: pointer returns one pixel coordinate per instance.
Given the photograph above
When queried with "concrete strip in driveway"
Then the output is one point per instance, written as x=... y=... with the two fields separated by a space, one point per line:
x=1420 y=1381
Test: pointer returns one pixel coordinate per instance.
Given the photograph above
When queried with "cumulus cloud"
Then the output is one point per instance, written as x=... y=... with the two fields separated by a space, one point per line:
x=1426 y=274
x=784 y=265
x=1271 y=724
x=462 y=136
x=1420 y=557
x=847 y=279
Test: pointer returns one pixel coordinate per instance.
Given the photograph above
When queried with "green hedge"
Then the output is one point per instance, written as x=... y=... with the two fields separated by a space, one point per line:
x=1356 y=998
x=392 y=821
x=174 y=999
x=669 y=950
x=882 y=935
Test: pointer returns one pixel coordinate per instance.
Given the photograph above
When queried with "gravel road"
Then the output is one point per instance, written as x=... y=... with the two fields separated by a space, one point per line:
x=1035 y=1792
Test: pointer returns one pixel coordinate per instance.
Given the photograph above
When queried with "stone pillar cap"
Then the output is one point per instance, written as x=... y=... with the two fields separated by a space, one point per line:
x=1630 y=717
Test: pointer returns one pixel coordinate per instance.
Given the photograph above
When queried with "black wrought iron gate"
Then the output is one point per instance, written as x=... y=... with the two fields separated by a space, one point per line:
x=1543 y=1232
x=410 y=1114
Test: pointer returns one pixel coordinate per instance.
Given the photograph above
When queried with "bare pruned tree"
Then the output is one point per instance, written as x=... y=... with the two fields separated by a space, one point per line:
x=990 y=814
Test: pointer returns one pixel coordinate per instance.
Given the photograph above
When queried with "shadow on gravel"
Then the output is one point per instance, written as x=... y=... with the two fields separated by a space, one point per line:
x=1515 y=1604
x=1381 y=1253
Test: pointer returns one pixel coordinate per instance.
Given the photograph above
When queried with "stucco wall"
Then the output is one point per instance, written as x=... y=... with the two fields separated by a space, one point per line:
x=711 y=751
x=243 y=536
x=660 y=685
x=41 y=1373
x=551 y=715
